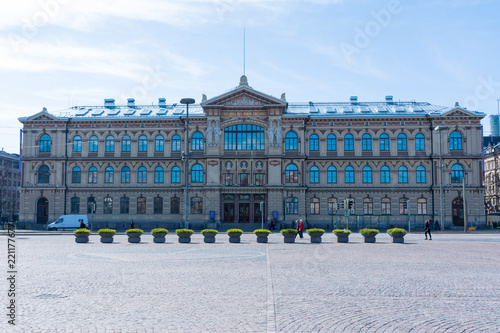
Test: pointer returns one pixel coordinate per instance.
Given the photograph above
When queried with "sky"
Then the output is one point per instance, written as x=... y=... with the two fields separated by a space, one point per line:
x=62 y=53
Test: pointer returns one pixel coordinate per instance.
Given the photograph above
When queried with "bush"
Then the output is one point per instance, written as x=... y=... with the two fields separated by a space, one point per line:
x=368 y=231
x=234 y=232
x=262 y=231
x=396 y=232
x=342 y=231
x=315 y=230
x=134 y=231
x=209 y=231
x=288 y=231
x=184 y=231
x=472 y=229
x=159 y=231
x=106 y=232
x=82 y=231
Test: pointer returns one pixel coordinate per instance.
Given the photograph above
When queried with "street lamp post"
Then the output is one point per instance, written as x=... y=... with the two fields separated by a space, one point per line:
x=185 y=157
x=440 y=129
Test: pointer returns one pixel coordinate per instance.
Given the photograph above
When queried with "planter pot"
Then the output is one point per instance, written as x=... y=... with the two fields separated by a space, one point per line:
x=396 y=239
x=134 y=237
x=209 y=237
x=184 y=238
x=81 y=238
x=289 y=238
x=342 y=238
x=106 y=238
x=262 y=238
x=315 y=237
x=369 y=238
x=159 y=238
x=234 y=238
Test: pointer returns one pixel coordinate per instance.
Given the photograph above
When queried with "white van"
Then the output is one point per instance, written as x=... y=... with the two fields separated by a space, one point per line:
x=68 y=222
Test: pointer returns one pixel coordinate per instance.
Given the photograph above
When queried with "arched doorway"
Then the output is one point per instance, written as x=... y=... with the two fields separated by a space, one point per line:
x=42 y=211
x=457 y=211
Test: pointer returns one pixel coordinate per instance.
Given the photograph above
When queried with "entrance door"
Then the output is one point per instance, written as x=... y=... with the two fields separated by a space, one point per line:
x=42 y=211
x=228 y=212
x=257 y=213
x=244 y=212
x=457 y=209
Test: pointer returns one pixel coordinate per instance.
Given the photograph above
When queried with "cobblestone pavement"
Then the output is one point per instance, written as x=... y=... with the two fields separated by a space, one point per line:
x=449 y=284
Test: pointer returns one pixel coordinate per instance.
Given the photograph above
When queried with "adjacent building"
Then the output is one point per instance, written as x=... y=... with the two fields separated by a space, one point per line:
x=10 y=181
x=253 y=157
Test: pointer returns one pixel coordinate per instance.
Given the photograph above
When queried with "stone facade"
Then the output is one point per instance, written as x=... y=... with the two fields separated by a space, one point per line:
x=10 y=181
x=246 y=147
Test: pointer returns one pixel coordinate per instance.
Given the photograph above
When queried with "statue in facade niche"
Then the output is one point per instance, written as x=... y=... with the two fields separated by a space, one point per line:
x=279 y=133
x=217 y=133
x=270 y=133
x=209 y=132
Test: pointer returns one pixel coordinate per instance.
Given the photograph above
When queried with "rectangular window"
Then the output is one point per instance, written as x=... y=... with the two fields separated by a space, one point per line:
x=259 y=179
x=386 y=207
x=141 y=205
x=75 y=205
x=124 y=205
x=196 y=205
x=292 y=206
x=175 y=204
x=244 y=179
x=108 y=205
x=158 y=206
x=228 y=179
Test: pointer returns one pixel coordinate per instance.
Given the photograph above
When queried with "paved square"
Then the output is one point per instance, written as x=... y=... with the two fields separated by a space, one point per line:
x=449 y=284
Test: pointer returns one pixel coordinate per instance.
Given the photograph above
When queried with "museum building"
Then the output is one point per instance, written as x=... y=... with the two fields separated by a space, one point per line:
x=253 y=157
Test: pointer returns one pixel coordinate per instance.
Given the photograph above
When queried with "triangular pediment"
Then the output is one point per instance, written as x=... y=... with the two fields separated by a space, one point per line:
x=243 y=96
x=42 y=116
x=458 y=112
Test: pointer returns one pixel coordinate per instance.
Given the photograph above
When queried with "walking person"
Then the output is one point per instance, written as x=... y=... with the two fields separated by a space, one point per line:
x=82 y=225
x=300 y=229
x=131 y=224
x=427 y=229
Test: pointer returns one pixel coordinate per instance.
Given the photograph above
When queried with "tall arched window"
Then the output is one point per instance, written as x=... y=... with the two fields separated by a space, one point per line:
x=367 y=142
x=402 y=142
x=421 y=206
x=125 y=175
x=386 y=206
x=349 y=175
x=197 y=173
x=455 y=141
x=176 y=143
x=75 y=205
x=291 y=174
x=457 y=173
x=93 y=144
x=77 y=143
x=385 y=177
x=109 y=175
x=143 y=143
x=43 y=174
x=332 y=174
x=314 y=174
x=367 y=175
x=142 y=175
x=45 y=143
x=176 y=175
x=124 y=205
x=348 y=142
x=402 y=175
x=332 y=206
x=368 y=206
x=76 y=175
x=419 y=142
x=313 y=142
x=291 y=141
x=331 y=142
x=92 y=175
x=126 y=143
x=197 y=141
x=175 y=205
x=110 y=143
x=420 y=175
x=159 y=174
x=384 y=142
x=108 y=205
x=314 y=206
x=159 y=143
x=244 y=137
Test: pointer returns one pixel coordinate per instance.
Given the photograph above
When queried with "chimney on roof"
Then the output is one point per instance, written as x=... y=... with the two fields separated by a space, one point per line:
x=44 y=109
x=389 y=99
x=109 y=103
x=131 y=103
x=162 y=102
x=354 y=99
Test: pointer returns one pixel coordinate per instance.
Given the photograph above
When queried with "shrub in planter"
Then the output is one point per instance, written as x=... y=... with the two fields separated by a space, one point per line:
x=289 y=235
x=369 y=234
x=315 y=235
x=209 y=235
x=82 y=235
x=397 y=234
x=106 y=235
x=134 y=235
x=159 y=235
x=261 y=235
x=234 y=235
x=342 y=235
x=184 y=235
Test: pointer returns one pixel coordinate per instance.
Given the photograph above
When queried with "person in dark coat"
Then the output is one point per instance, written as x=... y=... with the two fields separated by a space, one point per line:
x=427 y=228
x=82 y=225
x=131 y=224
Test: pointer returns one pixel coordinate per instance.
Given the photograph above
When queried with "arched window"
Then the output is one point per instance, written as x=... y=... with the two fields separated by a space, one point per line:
x=108 y=205
x=314 y=206
x=386 y=206
x=331 y=142
x=159 y=143
x=197 y=173
x=125 y=175
x=332 y=206
x=367 y=142
x=244 y=137
x=124 y=205
x=291 y=174
x=93 y=175
x=175 y=205
x=142 y=175
x=77 y=143
x=420 y=175
x=291 y=141
x=403 y=206
x=110 y=143
x=368 y=206
x=422 y=206
x=45 y=143
x=43 y=174
x=109 y=175
x=332 y=174
x=455 y=141
x=126 y=143
x=159 y=174
x=176 y=174
x=348 y=142
x=91 y=205
x=385 y=177
x=93 y=144
x=143 y=143
x=141 y=205
x=457 y=173
x=384 y=142
x=76 y=175
x=402 y=175
x=349 y=175
x=75 y=205
x=196 y=205
x=158 y=205
x=402 y=142
x=176 y=143
x=197 y=141
x=314 y=174
x=367 y=175
x=313 y=142
x=419 y=142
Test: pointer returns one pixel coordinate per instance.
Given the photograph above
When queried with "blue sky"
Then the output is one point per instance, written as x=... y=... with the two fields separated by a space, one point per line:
x=60 y=53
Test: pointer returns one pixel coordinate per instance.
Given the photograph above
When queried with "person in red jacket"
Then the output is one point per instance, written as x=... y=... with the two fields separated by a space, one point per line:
x=300 y=229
